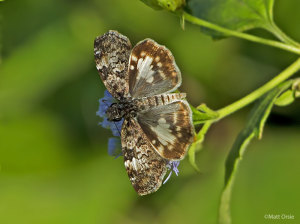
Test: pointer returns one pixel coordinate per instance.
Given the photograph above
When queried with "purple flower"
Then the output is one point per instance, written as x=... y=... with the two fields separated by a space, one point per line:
x=173 y=166
x=104 y=104
x=114 y=149
x=114 y=126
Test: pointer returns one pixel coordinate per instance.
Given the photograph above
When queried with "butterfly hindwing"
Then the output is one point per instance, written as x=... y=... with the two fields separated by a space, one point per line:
x=144 y=166
x=152 y=70
x=169 y=128
x=112 y=51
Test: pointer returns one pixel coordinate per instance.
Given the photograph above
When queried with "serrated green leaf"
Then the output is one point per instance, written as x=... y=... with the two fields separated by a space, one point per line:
x=170 y=5
x=254 y=128
x=202 y=113
x=239 y=15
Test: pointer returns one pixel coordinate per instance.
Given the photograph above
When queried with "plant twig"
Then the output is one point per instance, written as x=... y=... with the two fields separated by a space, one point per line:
x=203 y=23
x=288 y=72
x=276 y=31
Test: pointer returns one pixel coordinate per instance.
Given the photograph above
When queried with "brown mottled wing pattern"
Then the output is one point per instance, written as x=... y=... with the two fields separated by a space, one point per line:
x=145 y=168
x=152 y=70
x=169 y=128
x=112 y=51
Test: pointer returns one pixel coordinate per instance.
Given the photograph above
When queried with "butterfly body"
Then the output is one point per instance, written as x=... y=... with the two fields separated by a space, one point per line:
x=123 y=109
x=157 y=124
x=128 y=107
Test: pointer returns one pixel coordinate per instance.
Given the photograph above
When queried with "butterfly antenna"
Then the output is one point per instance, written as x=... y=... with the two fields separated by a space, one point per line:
x=104 y=101
x=117 y=128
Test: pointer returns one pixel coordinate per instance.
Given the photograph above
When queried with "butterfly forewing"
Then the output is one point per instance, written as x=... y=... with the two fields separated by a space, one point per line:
x=144 y=166
x=169 y=128
x=112 y=51
x=152 y=70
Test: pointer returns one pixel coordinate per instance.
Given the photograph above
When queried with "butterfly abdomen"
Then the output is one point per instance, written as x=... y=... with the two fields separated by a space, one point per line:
x=146 y=103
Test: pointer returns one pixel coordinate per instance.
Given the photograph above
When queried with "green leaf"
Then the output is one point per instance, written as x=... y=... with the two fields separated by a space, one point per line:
x=238 y=15
x=285 y=98
x=197 y=144
x=296 y=87
x=153 y=4
x=170 y=5
x=289 y=96
x=194 y=148
x=202 y=113
x=254 y=128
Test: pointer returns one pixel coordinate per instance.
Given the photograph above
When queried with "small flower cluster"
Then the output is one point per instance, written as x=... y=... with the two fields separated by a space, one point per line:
x=114 y=143
x=173 y=166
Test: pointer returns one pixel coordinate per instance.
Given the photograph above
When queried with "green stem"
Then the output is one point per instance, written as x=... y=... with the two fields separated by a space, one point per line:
x=288 y=72
x=275 y=30
x=202 y=132
x=224 y=112
x=245 y=36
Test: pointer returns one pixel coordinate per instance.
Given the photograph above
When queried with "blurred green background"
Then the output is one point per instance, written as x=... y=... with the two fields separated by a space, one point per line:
x=54 y=166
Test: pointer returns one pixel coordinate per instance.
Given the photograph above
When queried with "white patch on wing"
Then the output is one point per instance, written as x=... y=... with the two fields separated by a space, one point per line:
x=162 y=75
x=150 y=79
x=134 y=58
x=162 y=121
x=163 y=132
x=145 y=69
x=134 y=164
x=99 y=66
x=139 y=155
x=127 y=163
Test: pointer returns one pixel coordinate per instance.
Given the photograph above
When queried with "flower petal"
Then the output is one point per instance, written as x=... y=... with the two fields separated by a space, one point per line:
x=116 y=127
x=114 y=144
x=114 y=147
x=172 y=166
x=104 y=104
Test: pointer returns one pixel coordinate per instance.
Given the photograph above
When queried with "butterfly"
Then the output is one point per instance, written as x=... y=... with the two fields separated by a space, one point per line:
x=157 y=125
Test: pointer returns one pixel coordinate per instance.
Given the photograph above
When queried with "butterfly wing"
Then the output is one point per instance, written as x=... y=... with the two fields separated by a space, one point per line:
x=145 y=168
x=169 y=128
x=152 y=70
x=112 y=51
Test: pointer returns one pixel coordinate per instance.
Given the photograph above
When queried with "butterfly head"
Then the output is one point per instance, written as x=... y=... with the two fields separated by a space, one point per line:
x=115 y=112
